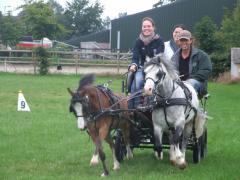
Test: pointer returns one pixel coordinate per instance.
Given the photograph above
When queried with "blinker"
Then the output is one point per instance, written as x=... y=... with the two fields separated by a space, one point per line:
x=161 y=74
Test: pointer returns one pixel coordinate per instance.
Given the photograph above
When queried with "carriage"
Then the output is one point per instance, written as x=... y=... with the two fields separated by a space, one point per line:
x=142 y=131
x=142 y=134
x=104 y=119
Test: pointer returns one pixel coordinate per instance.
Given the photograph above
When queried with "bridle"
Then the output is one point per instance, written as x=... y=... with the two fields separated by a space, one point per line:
x=84 y=101
x=166 y=101
x=89 y=112
x=160 y=74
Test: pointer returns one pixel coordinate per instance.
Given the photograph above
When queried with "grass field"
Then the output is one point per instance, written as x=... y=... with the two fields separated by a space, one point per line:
x=45 y=143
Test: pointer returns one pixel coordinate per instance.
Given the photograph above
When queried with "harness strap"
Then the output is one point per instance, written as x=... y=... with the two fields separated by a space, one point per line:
x=186 y=91
x=166 y=102
x=172 y=102
x=112 y=100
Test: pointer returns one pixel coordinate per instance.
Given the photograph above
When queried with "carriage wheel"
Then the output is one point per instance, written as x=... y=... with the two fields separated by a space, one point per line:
x=120 y=148
x=204 y=143
x=197 y=151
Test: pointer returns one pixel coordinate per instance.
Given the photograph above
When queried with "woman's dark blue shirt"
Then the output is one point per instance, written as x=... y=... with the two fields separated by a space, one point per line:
x=141 y=51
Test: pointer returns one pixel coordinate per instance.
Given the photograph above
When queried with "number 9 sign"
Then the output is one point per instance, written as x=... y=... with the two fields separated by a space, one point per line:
x=23 y=105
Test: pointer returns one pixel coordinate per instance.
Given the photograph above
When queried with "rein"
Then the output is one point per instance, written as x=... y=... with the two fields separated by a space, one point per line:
x=97 y=114
x=111 y=111
x=94 y=116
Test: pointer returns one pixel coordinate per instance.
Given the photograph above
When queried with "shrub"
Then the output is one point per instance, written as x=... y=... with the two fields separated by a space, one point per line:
x=42 y=58
x=221 y=63
x=204 y=32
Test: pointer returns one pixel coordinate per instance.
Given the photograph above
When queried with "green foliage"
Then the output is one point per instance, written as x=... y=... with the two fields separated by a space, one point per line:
x=221 y=63
x=229 y=32
x=218 y=43
x=42 y=58
x=40 y=21
x=204 y=33
x=163 y=2
x=50 y=20
x=83 y=18
x=10 y=30
x=58 y=12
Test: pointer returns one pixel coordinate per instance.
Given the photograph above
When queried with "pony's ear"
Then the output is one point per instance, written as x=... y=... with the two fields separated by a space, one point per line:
x=70 y=91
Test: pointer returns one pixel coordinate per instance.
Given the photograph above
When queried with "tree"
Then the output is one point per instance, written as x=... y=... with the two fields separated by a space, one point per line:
x=122 y=14
x=58 y=12
x=39 y=20
x=229 y=33
x=10 y=29
x=107 y=23
x=83 y=18
x=204 y=32
x=57 y=8
x=42 y=58
x=228 y=36
x=219 y=43
x=163 y=2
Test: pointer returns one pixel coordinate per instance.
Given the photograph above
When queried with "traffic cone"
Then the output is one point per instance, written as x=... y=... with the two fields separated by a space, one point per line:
x=22 y=103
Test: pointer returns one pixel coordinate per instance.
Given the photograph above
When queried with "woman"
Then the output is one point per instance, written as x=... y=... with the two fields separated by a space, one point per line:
x=172 y=45
x=147 y=45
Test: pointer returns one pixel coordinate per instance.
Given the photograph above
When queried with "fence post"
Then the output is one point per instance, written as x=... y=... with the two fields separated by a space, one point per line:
x=76 y=62
x=118 y=48
x=235 y=63
x=118 y=60
x=34 y=63
x=5 y=64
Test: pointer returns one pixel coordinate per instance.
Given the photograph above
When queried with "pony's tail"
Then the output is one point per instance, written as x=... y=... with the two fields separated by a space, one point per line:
x=200 y=121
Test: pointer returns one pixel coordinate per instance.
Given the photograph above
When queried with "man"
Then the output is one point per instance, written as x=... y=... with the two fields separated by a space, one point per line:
x=193 y=64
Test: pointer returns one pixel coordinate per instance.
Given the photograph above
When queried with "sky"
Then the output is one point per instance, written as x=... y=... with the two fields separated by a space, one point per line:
x=111 y=7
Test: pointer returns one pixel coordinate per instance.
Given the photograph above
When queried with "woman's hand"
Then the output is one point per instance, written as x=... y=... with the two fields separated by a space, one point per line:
x=133 y=68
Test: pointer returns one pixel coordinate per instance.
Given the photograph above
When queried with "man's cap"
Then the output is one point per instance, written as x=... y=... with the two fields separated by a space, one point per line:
x=184 y=34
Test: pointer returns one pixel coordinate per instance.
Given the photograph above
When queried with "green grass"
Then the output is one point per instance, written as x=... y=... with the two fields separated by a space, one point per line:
x=45 y=143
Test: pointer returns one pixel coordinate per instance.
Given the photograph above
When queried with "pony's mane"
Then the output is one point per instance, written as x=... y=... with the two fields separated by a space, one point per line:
x=169 y=65
x=86 y=80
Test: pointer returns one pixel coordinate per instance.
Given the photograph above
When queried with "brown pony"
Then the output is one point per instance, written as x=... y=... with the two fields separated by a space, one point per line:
x=89 y=104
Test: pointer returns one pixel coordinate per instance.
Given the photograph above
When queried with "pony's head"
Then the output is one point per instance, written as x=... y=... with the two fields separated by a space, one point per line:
x=156 y=71
x=80 y=103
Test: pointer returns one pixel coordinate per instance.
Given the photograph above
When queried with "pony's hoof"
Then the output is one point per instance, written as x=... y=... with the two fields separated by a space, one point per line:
x=158 y=156
x=182 y=166
x=94 y=161
x=104 y=174
x=129 y=156
x=116 y=166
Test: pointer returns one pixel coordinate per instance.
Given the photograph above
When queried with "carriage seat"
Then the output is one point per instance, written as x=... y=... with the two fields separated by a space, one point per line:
x=129 y=80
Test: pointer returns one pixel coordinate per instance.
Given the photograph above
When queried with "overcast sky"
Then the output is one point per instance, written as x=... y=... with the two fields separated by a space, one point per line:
x=111 y=7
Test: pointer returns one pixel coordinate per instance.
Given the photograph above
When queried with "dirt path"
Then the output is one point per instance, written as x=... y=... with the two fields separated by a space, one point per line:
x=29 y=69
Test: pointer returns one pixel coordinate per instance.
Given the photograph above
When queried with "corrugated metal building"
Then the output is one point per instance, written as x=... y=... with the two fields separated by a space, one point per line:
x=187 y=12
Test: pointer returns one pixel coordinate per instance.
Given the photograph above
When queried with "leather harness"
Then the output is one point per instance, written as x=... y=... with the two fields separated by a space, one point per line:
x=160 y=102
